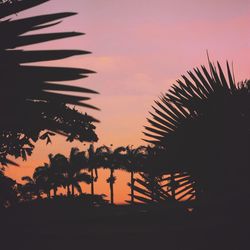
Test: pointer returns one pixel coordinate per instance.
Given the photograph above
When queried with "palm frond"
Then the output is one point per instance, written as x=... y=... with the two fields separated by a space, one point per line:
x=198 y=124
x=28 y=179
x=33 y=94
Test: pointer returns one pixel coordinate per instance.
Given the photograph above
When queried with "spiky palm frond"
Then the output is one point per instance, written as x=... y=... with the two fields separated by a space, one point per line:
x=152 y=189
x=30 y=83
x=202 y=126
x=201 y=92
x=33 y=94
x=15 y=37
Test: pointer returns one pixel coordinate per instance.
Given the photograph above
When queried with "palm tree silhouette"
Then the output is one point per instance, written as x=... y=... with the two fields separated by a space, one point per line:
x=58 y=166
x=31 y=188
x=134 y=163
x=33 y=94
x=43 y=177
x=60 y=172
x=94 y=162
x=197 y=123
x=112 y=159
x=76 y=162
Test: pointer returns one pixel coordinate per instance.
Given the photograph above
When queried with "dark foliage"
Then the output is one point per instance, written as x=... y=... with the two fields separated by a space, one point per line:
x=166 y=190
x=8 y=191
x=202 y=126
x=32 y=98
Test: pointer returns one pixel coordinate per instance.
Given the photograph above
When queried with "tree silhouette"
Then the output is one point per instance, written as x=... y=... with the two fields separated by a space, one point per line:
x=202 y=125
x=44 y=178
x=76 y=162
x=31 y=189
x=32 y=94
x=58 y=165
x=60 y=172
x=134 y=162
x=94 y=162
x=112 y=159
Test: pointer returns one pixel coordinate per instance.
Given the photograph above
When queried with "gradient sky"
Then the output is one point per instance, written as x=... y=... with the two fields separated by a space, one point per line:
x=140 y=47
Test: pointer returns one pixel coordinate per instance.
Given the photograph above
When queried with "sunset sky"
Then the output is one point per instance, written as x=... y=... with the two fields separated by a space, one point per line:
x=140 y=47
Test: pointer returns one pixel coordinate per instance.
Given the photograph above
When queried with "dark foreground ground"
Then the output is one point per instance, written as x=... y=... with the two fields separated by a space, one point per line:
x=74 y=226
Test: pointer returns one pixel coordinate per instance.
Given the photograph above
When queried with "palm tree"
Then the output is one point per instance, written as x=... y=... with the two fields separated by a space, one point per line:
x=44 y=178
x=94 y=161
x=77 y=179
x=134 y=163
x=112 y=159
x=31 y=188
x=32 y=94
x=198 y=124
x=77 y=160
x=58 y=165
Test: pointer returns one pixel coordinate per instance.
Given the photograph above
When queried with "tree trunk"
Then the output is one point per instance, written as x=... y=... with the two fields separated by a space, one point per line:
x=73 y=190
x=96 y=174
x=111 y=184
x=92 y=182
x=68 y=190
x=55 y=190
x=132 y=186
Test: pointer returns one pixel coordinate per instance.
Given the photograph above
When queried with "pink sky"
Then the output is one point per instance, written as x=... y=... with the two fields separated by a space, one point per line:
x=140 y=47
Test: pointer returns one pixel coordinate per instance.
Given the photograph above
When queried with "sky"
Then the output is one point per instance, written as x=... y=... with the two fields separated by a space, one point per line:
x=139 y=48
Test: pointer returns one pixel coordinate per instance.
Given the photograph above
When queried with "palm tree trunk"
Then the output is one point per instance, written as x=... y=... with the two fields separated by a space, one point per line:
x=73 y=190
x=55 y=190
x=96 y=174
x=111 y=184
x=132 y=186
x=92 y=182
x=68 y=190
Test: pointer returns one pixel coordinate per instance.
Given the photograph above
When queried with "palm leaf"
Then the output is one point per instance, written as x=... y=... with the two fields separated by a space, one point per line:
x=32 y=94
x=201 y=119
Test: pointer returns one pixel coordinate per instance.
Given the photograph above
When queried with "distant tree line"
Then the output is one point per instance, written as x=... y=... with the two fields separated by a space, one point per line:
x=82 y=167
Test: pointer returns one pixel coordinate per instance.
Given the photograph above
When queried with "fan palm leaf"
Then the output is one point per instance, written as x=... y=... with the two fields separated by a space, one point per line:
x=197 y=124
